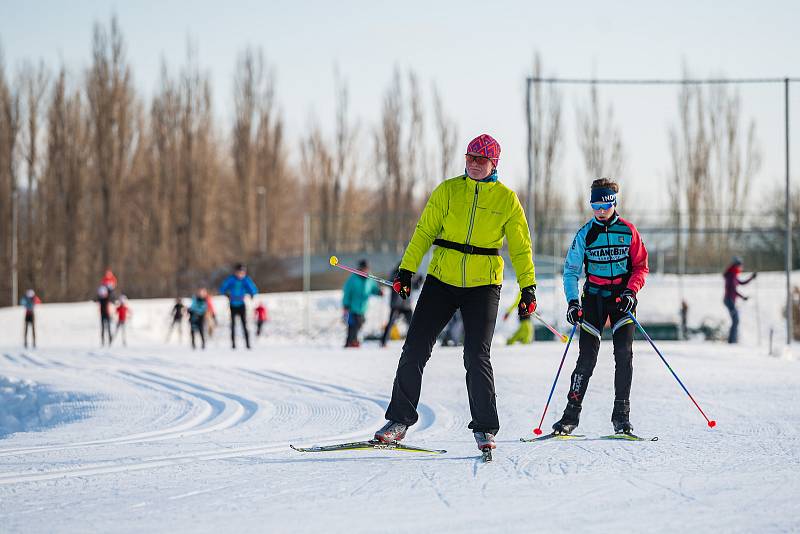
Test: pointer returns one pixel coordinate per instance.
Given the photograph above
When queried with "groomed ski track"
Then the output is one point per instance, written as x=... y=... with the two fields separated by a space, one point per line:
x=166 y=439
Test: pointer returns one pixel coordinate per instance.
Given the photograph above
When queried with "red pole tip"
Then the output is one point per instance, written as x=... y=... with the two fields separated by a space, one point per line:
x=537 y=431
x=712 y=424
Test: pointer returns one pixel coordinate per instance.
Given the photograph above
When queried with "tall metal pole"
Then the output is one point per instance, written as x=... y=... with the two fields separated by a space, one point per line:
x=306 y=269
x=14 y=249
x=789 y=322
x=530 y=206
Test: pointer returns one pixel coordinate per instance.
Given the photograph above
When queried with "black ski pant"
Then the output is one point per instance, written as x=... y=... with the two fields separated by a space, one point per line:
x=29 y=321
x=239 y=311
x=105 y=328
x=394 y=315
x=198 y=326
x=354 y=323
x=437 y=304
x=733 y=335
x=596 y=310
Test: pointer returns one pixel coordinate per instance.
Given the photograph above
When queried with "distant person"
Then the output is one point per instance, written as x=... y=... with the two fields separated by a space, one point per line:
x=104 y=300
x=261 y=317
x=236 y=287
x=211 y=316
x=110 y=281
x=732 y=282
x=177 y=312
x=398 y=308
x=357 y=291
x=29 y=301
x=684 y=320
x=523 y=334
x=197 y=316
x=122 y=317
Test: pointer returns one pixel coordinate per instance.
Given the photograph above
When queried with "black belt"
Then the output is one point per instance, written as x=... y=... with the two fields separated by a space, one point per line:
x=466 y=249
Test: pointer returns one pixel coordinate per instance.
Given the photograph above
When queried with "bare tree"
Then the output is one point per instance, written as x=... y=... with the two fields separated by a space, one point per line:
x=600 y=139
x=9 y=137
x=712 y=166
x=446 y=137
x=546 y=148
x=110 y=95
x=34 y=82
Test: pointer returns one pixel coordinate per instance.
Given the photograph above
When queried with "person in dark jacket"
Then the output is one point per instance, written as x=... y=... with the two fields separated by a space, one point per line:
x=177 y=312
x=236 y=287
x=104 y=301
x=732 y=282
x=398 y=308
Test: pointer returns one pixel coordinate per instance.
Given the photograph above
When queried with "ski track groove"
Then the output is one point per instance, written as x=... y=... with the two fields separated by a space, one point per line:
x=243 y=412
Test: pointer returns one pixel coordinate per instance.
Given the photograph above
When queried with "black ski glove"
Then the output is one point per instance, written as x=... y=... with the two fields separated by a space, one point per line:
x=574 y=312
x=402 y=283
x=527 y=303
x=626 y=302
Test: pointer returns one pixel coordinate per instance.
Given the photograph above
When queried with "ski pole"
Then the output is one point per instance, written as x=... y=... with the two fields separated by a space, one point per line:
x=538 y=429
x=335 y=262
x=711 y=422
x=559 y=335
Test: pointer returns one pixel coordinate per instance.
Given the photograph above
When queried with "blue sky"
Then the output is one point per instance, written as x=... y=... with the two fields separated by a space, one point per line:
x=478 y=53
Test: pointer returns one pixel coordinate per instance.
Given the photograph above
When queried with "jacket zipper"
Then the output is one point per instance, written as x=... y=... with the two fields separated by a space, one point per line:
x=608 y=244
x=469 y=234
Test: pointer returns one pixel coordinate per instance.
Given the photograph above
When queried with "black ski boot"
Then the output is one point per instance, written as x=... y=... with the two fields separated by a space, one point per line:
x=620 y=417
x=568 y=421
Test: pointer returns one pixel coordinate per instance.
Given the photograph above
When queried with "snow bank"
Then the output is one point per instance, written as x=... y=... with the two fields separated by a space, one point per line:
x=26 y=405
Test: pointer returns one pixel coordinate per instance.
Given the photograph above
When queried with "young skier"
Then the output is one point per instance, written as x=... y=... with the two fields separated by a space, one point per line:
x=177 y=319
x=357 y=291
x=524 y=333
x=732 y=282
x=28 y=302
x=261 y=317
x=122 y=316
x=610 y=252
x=467 y=218
x=104 y=300
x=236 y=286
x=197 y=316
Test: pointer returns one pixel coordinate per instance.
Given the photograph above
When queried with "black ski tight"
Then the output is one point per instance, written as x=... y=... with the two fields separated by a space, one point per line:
x=437 y=304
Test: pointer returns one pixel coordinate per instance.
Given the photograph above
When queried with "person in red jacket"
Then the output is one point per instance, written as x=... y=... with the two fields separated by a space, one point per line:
x=122 y=316
x=732 y=282
x=261 y=317
x=29 y=301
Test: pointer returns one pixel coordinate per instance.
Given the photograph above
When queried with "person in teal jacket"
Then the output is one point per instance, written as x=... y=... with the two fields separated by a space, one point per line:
x=357 y=291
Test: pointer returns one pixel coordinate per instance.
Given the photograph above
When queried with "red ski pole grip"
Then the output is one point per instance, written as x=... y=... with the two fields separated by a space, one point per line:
x=396 y=286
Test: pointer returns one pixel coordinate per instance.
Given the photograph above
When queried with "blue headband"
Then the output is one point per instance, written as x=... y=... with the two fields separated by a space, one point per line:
x=604 y=194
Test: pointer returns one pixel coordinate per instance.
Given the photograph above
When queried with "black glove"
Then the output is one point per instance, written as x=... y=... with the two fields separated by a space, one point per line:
x=402 y=283
x=626 y=301
x=574 y=312
x=527 y=303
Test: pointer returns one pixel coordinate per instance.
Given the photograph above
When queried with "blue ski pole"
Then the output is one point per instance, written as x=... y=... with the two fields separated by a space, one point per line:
x=711 y=422
x=538 y=430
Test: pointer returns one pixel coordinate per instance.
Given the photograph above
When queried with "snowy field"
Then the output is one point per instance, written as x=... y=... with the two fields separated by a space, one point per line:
x=156 y=437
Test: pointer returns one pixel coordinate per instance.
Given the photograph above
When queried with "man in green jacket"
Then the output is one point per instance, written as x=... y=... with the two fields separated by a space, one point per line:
x=467 y=218
x=357 y=291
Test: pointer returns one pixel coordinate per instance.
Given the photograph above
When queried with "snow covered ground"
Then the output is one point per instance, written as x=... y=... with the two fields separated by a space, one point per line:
x=156 y=437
